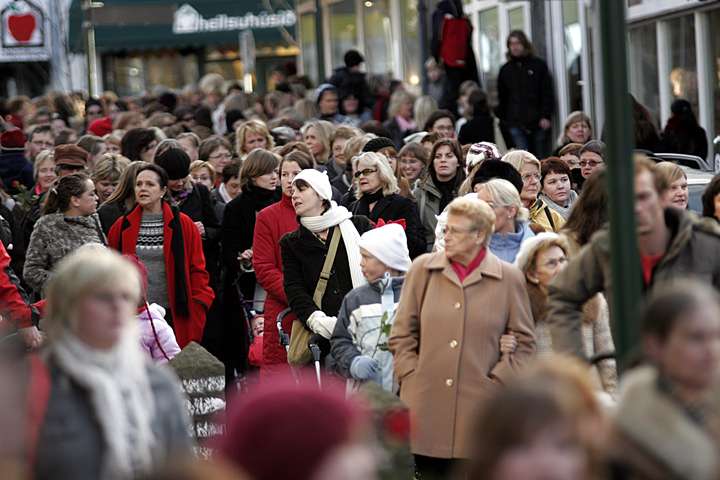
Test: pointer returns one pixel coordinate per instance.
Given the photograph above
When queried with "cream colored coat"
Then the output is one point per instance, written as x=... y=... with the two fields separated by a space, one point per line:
x=445 y=342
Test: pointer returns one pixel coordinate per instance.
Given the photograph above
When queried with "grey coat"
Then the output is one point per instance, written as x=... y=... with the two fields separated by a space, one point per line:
x=359 y=328
x=53 y=237
x=70 y=442
x=428 y=197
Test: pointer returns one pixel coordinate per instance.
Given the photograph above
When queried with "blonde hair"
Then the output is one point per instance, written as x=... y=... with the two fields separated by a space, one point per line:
x=574 y=117
x=397 y=99
x=504 y=194
x=87 y=269
x=354 y=146
x=669 y=171
x=424 y=107
x=477 y=211
x=42 y=157
x=387 y=177
x=252 y=126
x=110 y=167
x=519 y=158
x=324 y=131
x=199 y=164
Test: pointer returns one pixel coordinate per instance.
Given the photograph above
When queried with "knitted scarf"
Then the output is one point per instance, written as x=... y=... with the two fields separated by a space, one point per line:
x=177 y=244
x=119 y=391
x=563 y=211
x=351 y=238
x=363 y=204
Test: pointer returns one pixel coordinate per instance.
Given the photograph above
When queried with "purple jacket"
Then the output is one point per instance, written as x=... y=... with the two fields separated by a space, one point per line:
x=165 y=340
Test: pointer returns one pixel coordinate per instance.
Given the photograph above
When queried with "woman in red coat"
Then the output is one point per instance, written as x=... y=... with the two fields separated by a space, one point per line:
x=169 y=245
x=271 y=224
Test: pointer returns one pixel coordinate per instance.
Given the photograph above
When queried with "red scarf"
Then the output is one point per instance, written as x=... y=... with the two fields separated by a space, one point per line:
x=463 y=271
x=648 y=264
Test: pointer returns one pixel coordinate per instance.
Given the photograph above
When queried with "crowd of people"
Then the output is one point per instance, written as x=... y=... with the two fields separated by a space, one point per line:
x=373 y=233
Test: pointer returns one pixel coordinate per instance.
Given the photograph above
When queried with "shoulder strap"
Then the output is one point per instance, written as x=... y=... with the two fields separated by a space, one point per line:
x=548 y=214
x=327 y=266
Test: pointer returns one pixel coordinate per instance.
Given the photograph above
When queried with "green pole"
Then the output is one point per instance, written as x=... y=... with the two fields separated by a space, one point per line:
x=319 y=42
x=626 y=274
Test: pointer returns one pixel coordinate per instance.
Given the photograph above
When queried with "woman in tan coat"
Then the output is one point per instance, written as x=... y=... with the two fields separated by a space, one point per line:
x=453 y=309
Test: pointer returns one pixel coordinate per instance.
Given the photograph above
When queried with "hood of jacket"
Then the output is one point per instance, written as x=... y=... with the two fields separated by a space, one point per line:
x=506 y=245
x=650 y=417
x=683 y=224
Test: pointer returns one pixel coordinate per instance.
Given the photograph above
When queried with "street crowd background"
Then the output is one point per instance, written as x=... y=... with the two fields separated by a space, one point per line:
x=385 y=286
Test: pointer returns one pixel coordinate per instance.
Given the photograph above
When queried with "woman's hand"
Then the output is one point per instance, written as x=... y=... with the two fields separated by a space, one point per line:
x=508 y=343
x=32 y=337
x=201 y=228
x=246 y=256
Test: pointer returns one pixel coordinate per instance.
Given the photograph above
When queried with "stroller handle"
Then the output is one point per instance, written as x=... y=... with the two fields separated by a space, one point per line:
x=284 y=337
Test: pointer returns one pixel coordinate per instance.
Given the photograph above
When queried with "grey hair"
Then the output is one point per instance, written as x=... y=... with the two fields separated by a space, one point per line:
x=504 y=194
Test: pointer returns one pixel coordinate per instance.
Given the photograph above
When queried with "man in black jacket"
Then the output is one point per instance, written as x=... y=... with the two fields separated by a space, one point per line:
x=525 y=97
x=351 y=79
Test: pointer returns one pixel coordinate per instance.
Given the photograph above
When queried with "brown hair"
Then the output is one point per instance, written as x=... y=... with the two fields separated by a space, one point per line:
x=210 y=144
x=258 y=162
x=644 y=164
x=589 y=213
x=454 y=146
x=414 y=149
x=303 y=159
x=59 y=196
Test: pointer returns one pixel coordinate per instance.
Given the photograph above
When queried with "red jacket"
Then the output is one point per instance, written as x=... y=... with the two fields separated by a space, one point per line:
x=271 y=223
x=15 y=308
x=200 y=296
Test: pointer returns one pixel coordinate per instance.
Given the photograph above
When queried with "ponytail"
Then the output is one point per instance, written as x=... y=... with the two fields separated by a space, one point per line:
x=58 y=199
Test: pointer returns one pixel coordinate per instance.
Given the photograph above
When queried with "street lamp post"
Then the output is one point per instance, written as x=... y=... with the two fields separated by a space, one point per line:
x=90 y=51
x=626 y=273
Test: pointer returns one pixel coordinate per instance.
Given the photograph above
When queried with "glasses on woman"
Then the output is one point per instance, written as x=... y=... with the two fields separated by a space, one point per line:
x=365 y=172
x=590 y=163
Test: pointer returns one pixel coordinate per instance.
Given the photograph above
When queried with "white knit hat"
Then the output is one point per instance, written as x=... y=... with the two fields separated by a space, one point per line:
x=531 y=245
x=389 y=245
x=318 y=181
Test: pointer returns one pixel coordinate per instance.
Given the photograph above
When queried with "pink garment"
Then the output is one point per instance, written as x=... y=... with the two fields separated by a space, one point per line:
x=155 y=315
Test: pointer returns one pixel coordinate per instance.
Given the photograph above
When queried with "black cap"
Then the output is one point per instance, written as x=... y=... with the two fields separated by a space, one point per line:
x=353 y=58
x=377 y=144
x=490 y=169
x=175 y=162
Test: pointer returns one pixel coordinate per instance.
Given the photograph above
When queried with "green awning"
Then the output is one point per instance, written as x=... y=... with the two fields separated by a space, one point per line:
x=126 y=25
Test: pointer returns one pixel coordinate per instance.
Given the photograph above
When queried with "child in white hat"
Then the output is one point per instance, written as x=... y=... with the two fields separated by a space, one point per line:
x=359 y=341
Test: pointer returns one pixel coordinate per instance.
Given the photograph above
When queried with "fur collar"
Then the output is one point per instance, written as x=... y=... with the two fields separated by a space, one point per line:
x=654 y=421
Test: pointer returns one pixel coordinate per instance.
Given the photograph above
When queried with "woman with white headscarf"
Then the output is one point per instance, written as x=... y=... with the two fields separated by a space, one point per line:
x=108 y=412
x=304 y=252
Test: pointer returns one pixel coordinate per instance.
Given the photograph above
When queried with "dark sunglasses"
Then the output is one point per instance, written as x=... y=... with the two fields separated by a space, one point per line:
x=366 y=172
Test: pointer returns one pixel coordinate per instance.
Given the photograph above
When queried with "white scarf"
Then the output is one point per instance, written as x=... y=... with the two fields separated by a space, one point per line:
x=351 y=238
x=123 y=402
x=222 y=191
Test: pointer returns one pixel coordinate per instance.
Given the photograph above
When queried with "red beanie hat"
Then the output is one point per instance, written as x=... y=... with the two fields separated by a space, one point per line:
x=101 y=126
x=13 y=140
x=284 y=430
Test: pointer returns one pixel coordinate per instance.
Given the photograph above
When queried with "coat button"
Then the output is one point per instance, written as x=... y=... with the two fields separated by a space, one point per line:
x=449 y=382
x=453 y=344
x=457 y=305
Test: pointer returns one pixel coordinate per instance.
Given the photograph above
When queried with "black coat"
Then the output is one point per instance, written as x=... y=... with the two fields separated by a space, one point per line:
x=238 y=227
x=397 y=134
x=690 y=141
x=477 y=129
x=396 y=207
x=109 y=213
x=303 y=256
x=525 y=92
x=199 y=206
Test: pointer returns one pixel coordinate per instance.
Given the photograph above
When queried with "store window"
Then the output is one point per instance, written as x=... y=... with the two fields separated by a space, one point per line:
x=490 y=48
x=135 y=74
x=378 y=36
x=516 y=18
x=715 y=67
x=343 y=30
x=226 y=62
x=643 y=67
x=573 y=51
x=682 y=60
x=411 y=42
x=308 y=44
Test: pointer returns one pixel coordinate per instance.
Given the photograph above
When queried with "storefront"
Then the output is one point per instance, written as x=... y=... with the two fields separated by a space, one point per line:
x=142 y=44
x=385 y=31
x=672 y=53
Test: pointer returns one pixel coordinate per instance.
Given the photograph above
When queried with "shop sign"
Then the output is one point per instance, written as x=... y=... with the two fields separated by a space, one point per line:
x=23 y=31
x=188 y=20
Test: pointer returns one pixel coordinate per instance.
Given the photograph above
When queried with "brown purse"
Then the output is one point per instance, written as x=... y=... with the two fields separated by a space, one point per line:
x=298 y=352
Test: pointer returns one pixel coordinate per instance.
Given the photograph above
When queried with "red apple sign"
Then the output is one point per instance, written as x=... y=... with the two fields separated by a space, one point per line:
x=21 y=26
